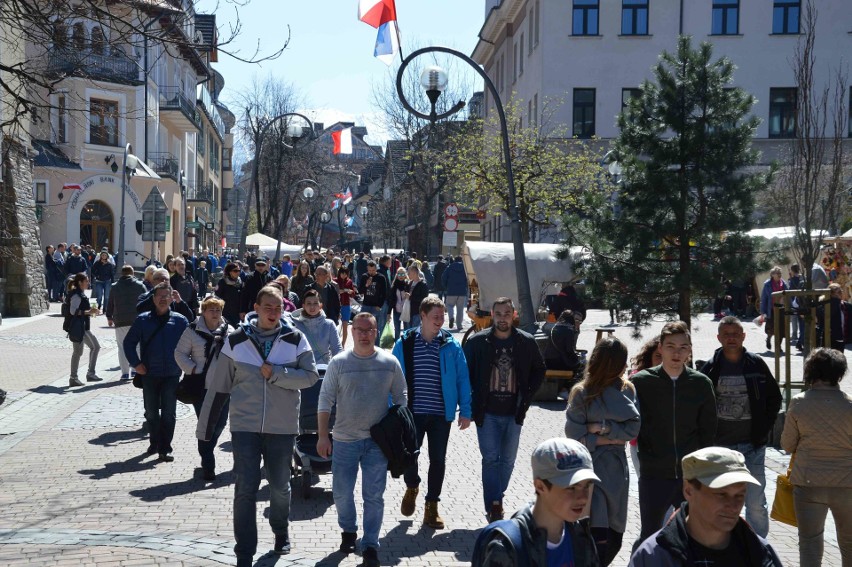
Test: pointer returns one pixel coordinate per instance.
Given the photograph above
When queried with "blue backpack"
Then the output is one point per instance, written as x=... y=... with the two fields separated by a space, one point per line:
x=512 y=533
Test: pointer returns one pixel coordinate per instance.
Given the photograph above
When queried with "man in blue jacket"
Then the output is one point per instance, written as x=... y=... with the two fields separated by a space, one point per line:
x=158 y=332
x=454 y=280
x=437 y=377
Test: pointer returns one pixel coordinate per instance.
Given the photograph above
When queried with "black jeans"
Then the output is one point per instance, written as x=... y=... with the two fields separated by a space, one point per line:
x=205 y=448
x=438 y=430
x=655 y=497
x=158 y=393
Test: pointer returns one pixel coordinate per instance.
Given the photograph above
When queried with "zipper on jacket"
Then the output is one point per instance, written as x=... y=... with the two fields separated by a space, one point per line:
x=674 y=423
x=263 y=412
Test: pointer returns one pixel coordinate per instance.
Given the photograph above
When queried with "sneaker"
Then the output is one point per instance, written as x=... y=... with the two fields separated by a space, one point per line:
x=94 y=378
x=496 y=512
x=282 y=544
x=209 y=475
x=125 y=377
x=371 y=557
x=409 y=501
x=74 y=381
x=347 y=543
x=166 y=457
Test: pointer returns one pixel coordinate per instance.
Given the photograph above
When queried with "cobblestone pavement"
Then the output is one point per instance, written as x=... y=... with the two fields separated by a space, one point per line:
x=79 y=490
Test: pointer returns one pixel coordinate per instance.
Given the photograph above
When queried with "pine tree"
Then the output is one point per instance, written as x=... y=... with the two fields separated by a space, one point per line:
x=675 y=224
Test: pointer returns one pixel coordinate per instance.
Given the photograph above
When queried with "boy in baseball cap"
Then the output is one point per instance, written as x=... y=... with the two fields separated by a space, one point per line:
x=549 y=531
x=708 y=530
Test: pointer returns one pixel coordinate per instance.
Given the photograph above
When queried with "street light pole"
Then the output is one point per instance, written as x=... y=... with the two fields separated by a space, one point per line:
x=128 y=165
x=435 y=81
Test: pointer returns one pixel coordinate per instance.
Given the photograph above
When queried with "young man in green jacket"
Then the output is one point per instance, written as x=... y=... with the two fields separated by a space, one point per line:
x=678 y=417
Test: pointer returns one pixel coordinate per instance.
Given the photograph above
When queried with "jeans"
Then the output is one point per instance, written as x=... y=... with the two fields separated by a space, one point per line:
x=498 y=437
x=101 y=293
x=160 y=409
x=438 y=429
x=812 y=504
x=795 y=323
x=757 y=512
x=120 y=334
x=90 y=341
x=381 y=315
x=655 y=497
x=397 y=323
x=205 y=448
x=457 y=301
x=346 y=458
x=414 y=322
x=277 y=453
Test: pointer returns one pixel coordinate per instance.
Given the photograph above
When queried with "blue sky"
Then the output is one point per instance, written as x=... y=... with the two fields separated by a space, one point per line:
x=330 y=57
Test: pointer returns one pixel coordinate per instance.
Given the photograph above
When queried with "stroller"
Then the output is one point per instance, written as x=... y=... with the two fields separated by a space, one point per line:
x=305 y=458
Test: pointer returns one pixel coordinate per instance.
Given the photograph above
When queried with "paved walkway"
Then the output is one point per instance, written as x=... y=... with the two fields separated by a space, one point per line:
x=78 y=489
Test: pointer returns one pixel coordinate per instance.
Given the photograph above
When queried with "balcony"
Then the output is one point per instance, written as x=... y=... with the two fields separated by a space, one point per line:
x=178 y=110
x=113 y=68
x=165 y=164
x=205 y=101
x=200 y=192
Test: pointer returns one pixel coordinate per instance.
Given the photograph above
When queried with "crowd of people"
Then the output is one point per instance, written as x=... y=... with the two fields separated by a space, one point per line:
x=242 y=350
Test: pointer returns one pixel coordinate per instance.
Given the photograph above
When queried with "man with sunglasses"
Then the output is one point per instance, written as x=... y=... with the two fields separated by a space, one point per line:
x=145 y=303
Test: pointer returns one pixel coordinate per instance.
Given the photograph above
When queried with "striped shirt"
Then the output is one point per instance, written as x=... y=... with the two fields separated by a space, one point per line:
x=428 y=396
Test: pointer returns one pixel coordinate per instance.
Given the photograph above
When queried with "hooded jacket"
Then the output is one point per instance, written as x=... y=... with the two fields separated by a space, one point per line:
x=529 y=370
x=259 y=405
x=669 y=547
x=764 y=395
x=321 y=334
x=496 y=548
x=455 y=381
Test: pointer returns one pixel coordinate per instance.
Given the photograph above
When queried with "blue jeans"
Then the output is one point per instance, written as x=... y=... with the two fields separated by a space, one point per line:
x=160 y=400
x=438 y=429
x=397 y=323
x=498 y=437
x=205 y=448
x=277 y=453
x=346 y=458
x=101 y=293
x=757 y=512
x=381 y=315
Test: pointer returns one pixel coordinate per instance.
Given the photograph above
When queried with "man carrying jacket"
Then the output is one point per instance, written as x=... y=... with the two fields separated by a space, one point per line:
x=437 y=379
x=157 y=333
x=506 y=369
x=121 y=311
x=262 y=366
x=707 y=531
x=747 y=402
x=678 y=417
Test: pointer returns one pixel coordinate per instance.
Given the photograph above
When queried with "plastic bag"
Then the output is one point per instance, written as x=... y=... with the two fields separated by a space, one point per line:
x=387 y=340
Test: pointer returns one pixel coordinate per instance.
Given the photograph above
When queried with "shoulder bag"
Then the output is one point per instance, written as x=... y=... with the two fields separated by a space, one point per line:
x=137 y=378
x=191 y=388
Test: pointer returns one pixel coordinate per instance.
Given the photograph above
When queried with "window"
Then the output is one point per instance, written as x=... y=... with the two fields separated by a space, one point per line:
x=627 y=95
x=103 y=122
x=782 y=113
x=529 y=112
x=850 y=112
x=78 y=37
x=536 y=23
x=535 y=110
x=40 y=192
x=584 y=113
x=530 y=30
x=60 y=35
x=634 y=17
x=61 y=120
x=515 y=64
x=521 y=56
x=785 y=16
x=585 y=17
x=726 y=16
x=98 y=41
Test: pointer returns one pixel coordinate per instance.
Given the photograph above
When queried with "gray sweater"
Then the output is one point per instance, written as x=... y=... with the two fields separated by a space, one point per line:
x=360 y=387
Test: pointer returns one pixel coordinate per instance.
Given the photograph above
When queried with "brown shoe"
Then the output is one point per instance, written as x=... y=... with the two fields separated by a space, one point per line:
x=431 y=517
x=496 y=512
x=409 y=501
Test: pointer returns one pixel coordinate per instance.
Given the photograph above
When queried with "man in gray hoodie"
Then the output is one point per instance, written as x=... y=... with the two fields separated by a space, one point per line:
x=262 y=366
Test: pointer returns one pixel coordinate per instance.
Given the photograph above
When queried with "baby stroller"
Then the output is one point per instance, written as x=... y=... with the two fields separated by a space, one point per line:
x=305 y=458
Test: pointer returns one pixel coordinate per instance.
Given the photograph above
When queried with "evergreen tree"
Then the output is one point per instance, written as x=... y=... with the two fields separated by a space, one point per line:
x=674 y=226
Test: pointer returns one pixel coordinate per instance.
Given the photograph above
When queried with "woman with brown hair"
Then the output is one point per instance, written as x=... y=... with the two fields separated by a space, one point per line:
x=603 y=415
x=80 y=308
x=301 y=281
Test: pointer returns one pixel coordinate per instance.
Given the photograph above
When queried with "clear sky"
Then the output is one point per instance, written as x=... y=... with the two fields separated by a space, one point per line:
x=330 y=57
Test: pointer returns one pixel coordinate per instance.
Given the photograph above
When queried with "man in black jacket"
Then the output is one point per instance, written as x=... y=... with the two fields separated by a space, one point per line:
x=253 y=284
x=374 y=287
x=329 y=295
x=75 y=263
x=506 y=369
x=121 y=311
x=183 y=282
x=747 y=402
x=438 y=274
x=145 y=303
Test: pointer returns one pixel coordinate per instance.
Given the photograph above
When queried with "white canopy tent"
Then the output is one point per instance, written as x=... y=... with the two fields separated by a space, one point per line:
x=267 y=245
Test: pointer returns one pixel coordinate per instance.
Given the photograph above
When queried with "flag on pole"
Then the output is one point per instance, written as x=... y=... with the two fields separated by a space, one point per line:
x=335 y=204
x=347 y=197
x=381 y=14
x=71 y=187
x=342 y=141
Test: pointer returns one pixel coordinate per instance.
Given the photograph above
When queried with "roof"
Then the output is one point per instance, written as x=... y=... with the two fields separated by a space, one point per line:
x=51 y=156
x=398 y=163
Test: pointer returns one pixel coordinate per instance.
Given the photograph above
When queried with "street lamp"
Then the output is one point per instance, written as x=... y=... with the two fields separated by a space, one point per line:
x=434 y=81
x=129 y=163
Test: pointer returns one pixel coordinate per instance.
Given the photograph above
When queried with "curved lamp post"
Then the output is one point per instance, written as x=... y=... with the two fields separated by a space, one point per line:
x=128 y=167
x=434 y=80
x=307 y=196
x=295 y=132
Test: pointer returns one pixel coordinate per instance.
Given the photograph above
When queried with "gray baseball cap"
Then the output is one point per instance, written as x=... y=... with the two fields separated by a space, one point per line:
x=717 y=467
x=562 y=461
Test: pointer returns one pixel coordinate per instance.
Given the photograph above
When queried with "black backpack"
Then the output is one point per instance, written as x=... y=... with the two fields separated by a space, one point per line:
x=66 y=314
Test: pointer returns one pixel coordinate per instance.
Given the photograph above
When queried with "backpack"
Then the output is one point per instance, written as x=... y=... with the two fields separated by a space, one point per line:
x=66 y=314
x=512 y=532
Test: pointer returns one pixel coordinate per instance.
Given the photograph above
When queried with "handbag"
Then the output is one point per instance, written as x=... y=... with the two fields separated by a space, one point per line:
x=191 y=388
x=405 y=314
x=783 y=509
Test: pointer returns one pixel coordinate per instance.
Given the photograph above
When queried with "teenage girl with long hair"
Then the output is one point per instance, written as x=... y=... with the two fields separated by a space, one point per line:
x=603 y=414
x=79 y=306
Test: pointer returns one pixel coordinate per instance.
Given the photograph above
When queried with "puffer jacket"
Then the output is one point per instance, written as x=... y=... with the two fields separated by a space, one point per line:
x=156 y=346
x=321 y=333
x=121 y=306
x=818 y=428
x=259 y=405
x=191 y=352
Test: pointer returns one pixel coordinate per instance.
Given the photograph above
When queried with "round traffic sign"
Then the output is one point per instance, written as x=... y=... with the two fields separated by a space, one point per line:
x=451 y=210
x=451 y=224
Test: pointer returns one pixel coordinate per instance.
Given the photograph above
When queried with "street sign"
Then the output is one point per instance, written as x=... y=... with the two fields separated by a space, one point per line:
x=451 y=210
x=155 y=219
x=451 y=224
x=209 y=225
x=193 y=224
x=450 y=239
x=168 y=224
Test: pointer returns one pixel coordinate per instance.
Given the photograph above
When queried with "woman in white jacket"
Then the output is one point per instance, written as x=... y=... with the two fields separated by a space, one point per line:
x=195 y=352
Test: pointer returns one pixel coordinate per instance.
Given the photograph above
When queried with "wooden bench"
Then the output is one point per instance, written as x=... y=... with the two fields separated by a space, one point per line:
x=549 y=390
x=600 y=331
x=559 y=375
